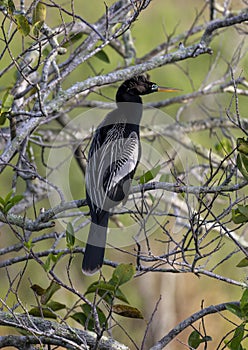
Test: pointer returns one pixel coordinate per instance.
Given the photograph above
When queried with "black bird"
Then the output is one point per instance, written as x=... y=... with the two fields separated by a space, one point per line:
x=113 y=158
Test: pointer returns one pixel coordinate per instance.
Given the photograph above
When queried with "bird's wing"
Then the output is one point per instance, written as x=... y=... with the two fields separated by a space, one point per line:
x=93 y=172
x=124 y=163
x=110 y=165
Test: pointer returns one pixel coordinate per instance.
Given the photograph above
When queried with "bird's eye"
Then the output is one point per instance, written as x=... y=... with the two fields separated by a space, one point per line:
x=154 y=87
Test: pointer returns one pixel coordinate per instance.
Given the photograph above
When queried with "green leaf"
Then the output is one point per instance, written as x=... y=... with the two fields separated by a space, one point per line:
x=8 y=5
x=223 y=147
x=242 y=164
x=7 y=103
x=243 y=209
x=3 y=118
x=42 y=312
x=194 y=340
x=4 y=3
x=39 y=17
x=51 y=257
x=235 y=343
x=22 y=24
x=242 y=146
x=207 y=338
x=244 y=159
x=81 y=318
x=238 y=217
x=86 y=319
x=243 y=263
x=101 y=55
x=7 y=207
x=104 y=286
x=150 y=175
x=36 y=29
x=235 y=309
x=2 y=201
x=38 y=289
x=47 y=263
x=70 y=235
x=122 y=274
x=59 y=255
x=8 y=196
x=88 y=312
x=39 y=13
x=119 y=295
x=55 y=258
x=244 y=302
x=8 y=202
x=86 y=308
x=108 y=296
x=53 y=288
x=11 y=6
x=55 y=305
x=107 y=291
x=127 y=311
x=29 y=244
x=16 y=199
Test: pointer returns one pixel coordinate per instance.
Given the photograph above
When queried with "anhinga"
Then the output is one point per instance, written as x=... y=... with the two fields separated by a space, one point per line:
x=113 y=158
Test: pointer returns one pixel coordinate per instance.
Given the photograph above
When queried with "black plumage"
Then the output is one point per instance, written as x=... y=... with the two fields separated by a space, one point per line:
x=113 y=158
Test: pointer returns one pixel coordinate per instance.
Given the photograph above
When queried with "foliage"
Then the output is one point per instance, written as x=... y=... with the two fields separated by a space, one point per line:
x=6 y=106
x=239 y=333
x=9 y=201
x=108 y=292
x=187 y=212
x=240 y=214
x=195 y=339
x=47 y=307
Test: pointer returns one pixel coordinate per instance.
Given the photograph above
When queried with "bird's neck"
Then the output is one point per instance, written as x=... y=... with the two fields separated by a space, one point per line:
x=129 y=106
x=131 y=112
x=123 y=96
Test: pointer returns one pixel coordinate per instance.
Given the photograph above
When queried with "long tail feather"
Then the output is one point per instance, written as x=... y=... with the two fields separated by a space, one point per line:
x=95 y=247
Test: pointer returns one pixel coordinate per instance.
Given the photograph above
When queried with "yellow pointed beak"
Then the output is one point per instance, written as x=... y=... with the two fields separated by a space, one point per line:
x=167 y=89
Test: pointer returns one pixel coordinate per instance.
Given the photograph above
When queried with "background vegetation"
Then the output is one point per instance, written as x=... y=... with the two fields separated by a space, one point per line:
x=60 y=66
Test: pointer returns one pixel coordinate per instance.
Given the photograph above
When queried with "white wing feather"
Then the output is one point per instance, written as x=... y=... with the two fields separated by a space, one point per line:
x=118 y=154
x=127 y=162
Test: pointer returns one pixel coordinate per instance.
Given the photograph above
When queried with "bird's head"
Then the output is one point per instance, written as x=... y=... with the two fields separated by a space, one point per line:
x=138 y=85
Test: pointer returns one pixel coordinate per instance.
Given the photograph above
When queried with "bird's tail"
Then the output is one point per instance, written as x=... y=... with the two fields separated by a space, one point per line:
x=95 y=247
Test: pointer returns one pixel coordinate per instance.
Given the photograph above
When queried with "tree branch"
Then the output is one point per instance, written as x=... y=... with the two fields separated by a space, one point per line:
x=54 y=333
x=189 y=321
